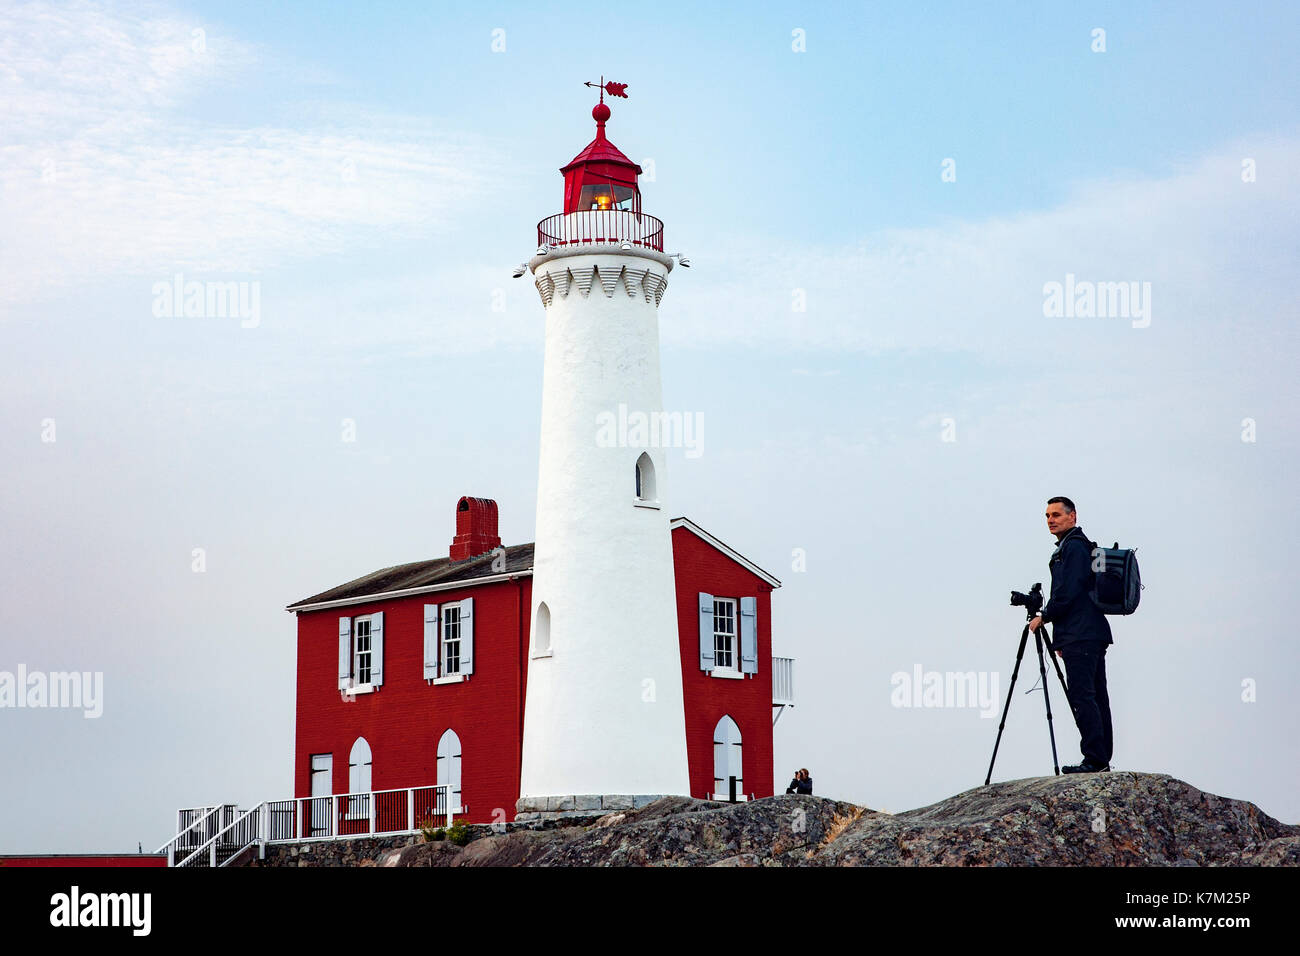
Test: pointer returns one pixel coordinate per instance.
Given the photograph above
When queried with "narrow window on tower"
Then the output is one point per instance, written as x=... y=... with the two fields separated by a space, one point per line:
x=542 y=632
x=646 y=492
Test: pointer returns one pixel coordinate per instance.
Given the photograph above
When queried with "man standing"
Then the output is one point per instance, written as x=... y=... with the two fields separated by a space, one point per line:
x=1081 y=636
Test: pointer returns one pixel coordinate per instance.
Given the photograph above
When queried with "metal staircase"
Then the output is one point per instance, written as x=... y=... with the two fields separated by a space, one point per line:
x=224 y=835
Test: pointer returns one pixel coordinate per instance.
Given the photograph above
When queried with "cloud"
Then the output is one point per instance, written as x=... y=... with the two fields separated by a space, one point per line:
x=107 y=172
x=77 y=66
x=1214 y=248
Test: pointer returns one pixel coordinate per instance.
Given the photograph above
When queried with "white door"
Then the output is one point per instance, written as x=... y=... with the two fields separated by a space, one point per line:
x=449 y=769
x=322 y=785
x=727 y=759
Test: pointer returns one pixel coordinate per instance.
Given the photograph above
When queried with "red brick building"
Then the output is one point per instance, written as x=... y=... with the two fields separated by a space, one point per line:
x=416 y=675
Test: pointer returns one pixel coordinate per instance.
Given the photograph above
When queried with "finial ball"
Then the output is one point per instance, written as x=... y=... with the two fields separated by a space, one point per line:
x=600 y=112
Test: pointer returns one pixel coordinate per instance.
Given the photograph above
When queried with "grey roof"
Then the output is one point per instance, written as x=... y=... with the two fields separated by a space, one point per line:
x=443 y=572
x=420 y=574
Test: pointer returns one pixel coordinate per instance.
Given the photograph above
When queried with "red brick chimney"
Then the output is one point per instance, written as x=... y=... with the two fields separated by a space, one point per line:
x=476 y=528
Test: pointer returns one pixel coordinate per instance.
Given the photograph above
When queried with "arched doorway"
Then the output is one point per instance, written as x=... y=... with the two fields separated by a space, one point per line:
x=449 y=768
x=727 y=759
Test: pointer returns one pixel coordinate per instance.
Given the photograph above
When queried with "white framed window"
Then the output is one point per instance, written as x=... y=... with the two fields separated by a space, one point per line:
x=724 y=633
x=450 y=657
x=361 y=653
x=449 y=641
x=728 y=636
x=361 y=650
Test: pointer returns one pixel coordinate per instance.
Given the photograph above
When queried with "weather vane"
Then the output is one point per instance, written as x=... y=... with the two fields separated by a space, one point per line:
x=612 y=88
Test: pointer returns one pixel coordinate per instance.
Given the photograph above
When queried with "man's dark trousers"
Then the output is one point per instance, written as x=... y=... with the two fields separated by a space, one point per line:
x=1085 y=674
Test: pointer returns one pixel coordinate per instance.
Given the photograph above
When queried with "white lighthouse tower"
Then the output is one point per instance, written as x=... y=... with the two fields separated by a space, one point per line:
x=604 y=724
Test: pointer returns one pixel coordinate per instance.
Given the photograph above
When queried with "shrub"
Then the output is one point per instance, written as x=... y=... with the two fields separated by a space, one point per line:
x=458 y=833
x=431 y=831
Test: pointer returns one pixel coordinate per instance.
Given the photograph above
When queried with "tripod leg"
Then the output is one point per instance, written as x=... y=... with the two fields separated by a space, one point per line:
x=1051 y=651
x=1047 y=700
x=1020 y=652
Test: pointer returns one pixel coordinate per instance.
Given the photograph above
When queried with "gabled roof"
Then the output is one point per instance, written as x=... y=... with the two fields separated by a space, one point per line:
x=439 y=574
x=443 y=574
x=730 y=552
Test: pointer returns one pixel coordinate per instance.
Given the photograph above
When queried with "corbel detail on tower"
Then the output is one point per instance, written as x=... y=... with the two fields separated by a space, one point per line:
x=646 y=283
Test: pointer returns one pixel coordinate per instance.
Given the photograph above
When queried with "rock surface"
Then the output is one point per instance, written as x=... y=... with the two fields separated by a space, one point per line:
x=1105 y=819
x=1110 y=819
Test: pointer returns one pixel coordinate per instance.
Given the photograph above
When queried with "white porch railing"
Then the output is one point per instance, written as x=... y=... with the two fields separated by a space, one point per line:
x=782 y=685
x=783 y=681
x=371 y=813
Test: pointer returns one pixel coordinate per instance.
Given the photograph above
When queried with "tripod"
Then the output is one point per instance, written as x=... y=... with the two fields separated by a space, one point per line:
x=1040 y=638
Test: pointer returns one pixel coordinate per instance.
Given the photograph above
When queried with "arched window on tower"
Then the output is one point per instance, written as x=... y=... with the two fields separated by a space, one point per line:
x=542 y=631
x=726 y=760
x=449 y=769
x=646 y=490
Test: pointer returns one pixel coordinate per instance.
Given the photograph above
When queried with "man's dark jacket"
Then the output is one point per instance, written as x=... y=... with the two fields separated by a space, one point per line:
x=1074 y=616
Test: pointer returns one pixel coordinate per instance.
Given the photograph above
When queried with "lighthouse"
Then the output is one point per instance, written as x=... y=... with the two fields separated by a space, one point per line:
x=604 y=721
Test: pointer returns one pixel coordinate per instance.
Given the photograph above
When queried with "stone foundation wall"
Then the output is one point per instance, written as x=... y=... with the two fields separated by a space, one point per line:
x=361 y=851
x=369 y=851
x=578 y=805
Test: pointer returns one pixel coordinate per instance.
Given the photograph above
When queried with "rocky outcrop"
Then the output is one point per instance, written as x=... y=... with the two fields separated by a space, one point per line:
x=1106 y=819
x=1111 y=819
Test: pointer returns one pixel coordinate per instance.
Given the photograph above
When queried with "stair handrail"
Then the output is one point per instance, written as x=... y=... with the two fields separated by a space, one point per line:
x=258 y=834
x=211 y=846
x=201 y=824
x=261 y=831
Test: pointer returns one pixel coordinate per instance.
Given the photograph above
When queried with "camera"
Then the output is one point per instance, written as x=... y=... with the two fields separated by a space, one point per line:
x=1031 y=602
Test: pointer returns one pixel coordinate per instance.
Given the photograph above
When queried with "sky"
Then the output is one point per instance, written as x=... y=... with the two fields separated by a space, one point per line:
x=874 y=198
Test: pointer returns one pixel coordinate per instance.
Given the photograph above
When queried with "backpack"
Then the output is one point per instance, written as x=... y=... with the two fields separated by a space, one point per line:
x=1117 y=583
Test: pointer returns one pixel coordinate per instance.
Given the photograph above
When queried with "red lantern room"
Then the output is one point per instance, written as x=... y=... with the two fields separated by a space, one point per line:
x=601 y=177
x=602 y=201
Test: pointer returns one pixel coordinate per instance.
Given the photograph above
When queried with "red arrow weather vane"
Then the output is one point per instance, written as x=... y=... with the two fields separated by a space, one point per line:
x=612 y=88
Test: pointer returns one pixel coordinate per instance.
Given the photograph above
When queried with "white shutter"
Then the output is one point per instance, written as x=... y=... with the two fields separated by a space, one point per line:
x=430 y=641
x=377 y=649
x=453 y=777
x=706 y=631
x=345 y=651
x=467 y=636
x=749 y=635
